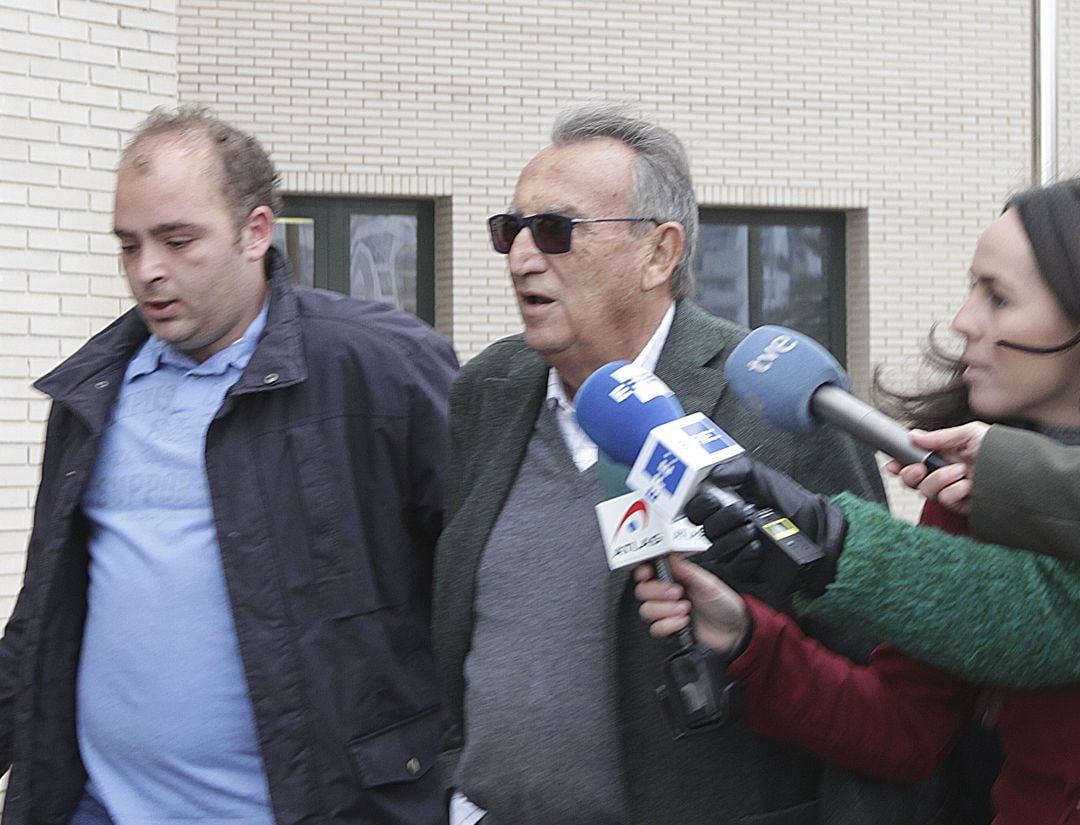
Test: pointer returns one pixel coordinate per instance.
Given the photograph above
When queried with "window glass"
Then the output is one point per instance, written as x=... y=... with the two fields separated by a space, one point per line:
x=382 y=259
x=721 y=268
x=774 y=267
x=372 y=248
x=794 y=291
x=295 y=237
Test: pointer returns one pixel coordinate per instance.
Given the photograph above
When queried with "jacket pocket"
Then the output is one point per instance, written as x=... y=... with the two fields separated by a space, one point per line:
x=403 y=752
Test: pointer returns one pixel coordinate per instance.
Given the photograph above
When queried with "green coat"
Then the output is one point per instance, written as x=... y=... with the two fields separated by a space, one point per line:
x=992 y=614
x=716 y=778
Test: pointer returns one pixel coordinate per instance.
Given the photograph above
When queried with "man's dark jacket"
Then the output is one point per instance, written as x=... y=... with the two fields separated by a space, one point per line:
x=721 y=778
x=326 y=465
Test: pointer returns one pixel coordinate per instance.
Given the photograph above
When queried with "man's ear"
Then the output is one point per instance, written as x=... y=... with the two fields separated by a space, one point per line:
x=666 y=247
x=257 y=233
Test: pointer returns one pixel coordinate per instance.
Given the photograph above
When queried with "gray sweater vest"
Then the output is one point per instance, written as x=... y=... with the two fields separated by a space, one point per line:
x=540 y=744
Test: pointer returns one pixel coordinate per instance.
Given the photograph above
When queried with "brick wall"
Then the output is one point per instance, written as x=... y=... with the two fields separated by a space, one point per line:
x=913 y=116
x=917 y=112
x=75 y=75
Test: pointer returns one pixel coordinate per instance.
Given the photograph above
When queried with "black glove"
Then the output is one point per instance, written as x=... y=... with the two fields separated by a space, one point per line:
x=735 y=553
x=819 y=519
x=725 y=519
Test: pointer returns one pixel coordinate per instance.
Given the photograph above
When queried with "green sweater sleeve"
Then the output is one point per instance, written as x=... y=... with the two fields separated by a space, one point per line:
x=992 y=614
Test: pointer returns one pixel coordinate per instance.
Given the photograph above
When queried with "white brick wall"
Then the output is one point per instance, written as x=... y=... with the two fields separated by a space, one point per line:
x=913 y=116
x=915 y=113
x=74 y=77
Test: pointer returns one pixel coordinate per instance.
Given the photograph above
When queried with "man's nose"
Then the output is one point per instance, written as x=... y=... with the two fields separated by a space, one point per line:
x=148 y=265
x=523 y=255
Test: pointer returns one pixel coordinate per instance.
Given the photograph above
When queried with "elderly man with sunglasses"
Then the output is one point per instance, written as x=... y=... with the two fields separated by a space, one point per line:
x=548 y=675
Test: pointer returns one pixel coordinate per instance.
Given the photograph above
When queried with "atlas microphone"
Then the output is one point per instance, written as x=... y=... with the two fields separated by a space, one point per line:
x=696 y=695
x=795 y=383
x=635 y=419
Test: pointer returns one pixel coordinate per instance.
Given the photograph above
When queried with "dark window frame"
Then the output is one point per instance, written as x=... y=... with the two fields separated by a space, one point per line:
x=835 y=224
x=331 y=215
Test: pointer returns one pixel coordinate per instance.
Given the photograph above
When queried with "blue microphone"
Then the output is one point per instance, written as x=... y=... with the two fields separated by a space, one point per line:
x=795 y=383
x=620 y=407
x=598 y=407
x=635 y=419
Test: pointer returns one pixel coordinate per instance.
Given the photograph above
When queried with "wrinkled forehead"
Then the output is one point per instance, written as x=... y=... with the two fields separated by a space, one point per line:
x=577 y=178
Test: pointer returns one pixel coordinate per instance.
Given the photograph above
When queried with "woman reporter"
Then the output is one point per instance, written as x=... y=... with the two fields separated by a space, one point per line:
x=990 y=614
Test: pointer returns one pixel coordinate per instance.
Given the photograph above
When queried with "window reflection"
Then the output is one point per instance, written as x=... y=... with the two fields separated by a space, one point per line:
x=773 y=267
x=721 y=267
x=382 y=259
x=794 y=292
x=295 y=239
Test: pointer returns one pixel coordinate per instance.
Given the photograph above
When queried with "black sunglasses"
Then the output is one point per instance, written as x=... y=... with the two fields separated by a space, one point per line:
x=551 y=232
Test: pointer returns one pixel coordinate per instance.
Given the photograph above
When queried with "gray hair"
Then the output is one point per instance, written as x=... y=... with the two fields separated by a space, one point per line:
x=662 y=185
x=248 y=177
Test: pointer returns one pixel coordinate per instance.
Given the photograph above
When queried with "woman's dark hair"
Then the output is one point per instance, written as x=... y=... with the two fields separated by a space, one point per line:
x=944 y=403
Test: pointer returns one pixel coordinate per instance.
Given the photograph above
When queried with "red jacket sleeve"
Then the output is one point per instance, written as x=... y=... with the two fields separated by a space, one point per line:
x=893 y=719
x=934 y=515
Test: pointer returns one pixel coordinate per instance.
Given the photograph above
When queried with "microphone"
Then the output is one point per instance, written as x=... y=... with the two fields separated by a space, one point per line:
x=635 y=419
x=597 y=406
x=795 y=383
x=696 y=695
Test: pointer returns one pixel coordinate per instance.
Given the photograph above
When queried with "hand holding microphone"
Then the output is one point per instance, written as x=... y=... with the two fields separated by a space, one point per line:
x=621 y=407
x=634 y=418
x=821 y=521
x=796 y=384
x=721 y=620
x=950 y=486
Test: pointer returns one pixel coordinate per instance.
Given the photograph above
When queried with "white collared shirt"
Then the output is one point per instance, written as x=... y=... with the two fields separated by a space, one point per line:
x=582 y=448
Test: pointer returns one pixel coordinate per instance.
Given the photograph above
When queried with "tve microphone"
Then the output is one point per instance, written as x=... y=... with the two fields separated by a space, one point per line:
x=631 y=413
x=795 y=383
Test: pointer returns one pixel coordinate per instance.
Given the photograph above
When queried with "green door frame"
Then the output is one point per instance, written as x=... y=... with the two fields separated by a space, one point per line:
x=331 y=216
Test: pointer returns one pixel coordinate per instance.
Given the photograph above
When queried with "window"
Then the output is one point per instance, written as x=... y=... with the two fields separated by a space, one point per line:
x=775 y=267
x=383 y=250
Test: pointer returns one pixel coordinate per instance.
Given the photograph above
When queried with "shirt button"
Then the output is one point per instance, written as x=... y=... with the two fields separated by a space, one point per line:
x=271 y=378
x=413 y=766
x=100 y=385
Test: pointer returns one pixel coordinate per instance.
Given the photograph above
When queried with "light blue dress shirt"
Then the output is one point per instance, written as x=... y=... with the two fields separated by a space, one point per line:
x=165 y=723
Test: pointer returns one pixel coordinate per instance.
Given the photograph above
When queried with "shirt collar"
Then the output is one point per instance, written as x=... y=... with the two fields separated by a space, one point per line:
x=646 y=359
x=155 y=352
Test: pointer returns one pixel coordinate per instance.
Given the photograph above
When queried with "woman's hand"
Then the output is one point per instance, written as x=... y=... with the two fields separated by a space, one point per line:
x=718 y=613
x=950 y=486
